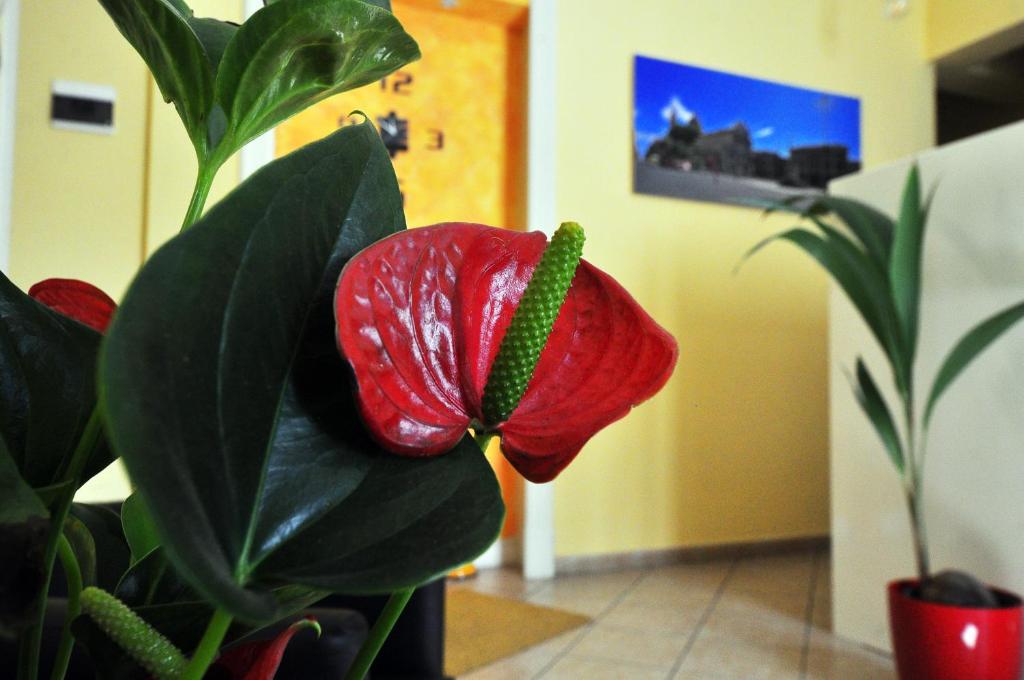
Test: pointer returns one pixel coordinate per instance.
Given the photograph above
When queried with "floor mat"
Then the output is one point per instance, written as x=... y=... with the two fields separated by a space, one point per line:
x=480 y=629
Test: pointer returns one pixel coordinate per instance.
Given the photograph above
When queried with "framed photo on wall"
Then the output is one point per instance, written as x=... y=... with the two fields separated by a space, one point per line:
x=707 y=135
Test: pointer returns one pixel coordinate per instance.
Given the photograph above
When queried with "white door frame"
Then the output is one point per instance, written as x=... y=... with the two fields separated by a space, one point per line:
x=11 y=12
x=538 y=535
x=542 y=214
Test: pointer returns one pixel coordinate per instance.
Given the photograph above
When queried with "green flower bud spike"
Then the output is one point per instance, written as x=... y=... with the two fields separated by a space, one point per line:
x=141 y=641
x=531 y=323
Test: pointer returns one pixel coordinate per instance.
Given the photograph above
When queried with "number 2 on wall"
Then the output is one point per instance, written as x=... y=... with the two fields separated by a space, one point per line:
x=400 y=83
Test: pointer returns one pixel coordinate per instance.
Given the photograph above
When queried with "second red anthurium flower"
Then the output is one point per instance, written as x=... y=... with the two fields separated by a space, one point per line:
x=83 y=302
x=421 y=316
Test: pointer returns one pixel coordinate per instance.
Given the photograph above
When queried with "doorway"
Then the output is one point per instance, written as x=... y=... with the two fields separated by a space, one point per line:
x=455 y=126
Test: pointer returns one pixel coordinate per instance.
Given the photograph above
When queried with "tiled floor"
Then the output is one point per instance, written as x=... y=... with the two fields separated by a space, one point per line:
x=747 y=619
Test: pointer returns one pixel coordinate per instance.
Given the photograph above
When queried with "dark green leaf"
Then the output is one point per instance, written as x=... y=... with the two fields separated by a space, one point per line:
x=51 y=492
x=112 y=555
x=403 y=507
x=873 y=403
x=905 y=265
x=233 y=411
x=139 y=530
x=160 y=32
x=294 y=53
x=181 y=7
x=48 y=364
x=24 y=525
x=292 y=599
x=19 y=502
x=875 y=290
x=152 y=580
x=83 y=546
x=214 y=35
x=871 y=227
x=969 y=347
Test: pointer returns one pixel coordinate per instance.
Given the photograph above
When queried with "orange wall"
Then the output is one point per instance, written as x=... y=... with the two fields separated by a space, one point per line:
x=458 y=95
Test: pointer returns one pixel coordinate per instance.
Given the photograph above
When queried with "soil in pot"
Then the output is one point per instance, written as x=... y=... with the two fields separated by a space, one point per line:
x=957 y=589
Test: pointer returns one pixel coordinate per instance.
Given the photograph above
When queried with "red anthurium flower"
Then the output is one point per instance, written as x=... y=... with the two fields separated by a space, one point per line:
x=420 y=318
x=259 y=660
x=79 y=300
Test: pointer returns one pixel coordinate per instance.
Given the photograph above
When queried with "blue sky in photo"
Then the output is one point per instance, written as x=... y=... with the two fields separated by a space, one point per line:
x=778 y=116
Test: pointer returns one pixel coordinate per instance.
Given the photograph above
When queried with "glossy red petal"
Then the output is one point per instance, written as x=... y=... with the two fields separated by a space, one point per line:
x=605 y=356
x=260 y=660
x=79 y=300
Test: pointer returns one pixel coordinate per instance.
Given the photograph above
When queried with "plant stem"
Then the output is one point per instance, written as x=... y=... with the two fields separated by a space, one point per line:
x=378 y=634
x=204 y=180
x=917 y=518
x=206 y=652
x=74 y=577
x=922 y=524
x=918 y=530
x=31 y=638
x=914 y=490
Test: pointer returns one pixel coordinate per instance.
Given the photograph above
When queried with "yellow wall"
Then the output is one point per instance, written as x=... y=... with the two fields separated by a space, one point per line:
x=84 y=205
x=954 y=24
x=736 y=446
x=77 y=206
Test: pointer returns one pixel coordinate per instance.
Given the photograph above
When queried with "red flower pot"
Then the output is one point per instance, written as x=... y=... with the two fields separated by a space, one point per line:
x=943 y=642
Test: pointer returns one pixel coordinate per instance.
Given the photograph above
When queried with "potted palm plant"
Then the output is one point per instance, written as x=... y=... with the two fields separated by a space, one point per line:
x=944 y=625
